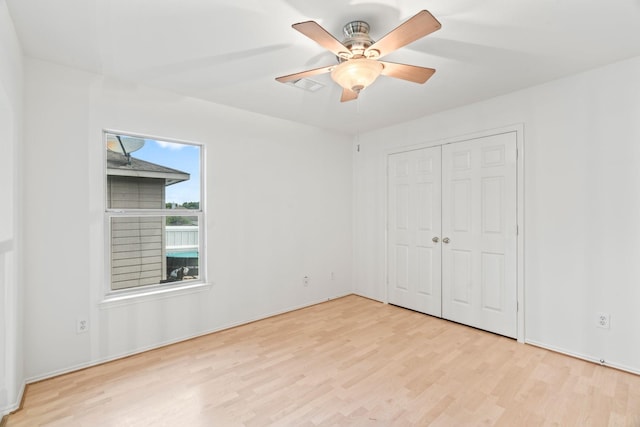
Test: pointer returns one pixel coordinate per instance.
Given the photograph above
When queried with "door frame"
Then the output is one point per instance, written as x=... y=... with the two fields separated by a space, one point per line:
x=518 y=129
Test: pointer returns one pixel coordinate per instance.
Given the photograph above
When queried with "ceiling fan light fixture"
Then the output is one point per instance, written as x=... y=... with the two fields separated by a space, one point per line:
x=357 y=74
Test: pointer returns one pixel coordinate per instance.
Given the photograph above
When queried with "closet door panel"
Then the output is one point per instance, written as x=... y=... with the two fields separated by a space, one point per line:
x=414 y=220
x=479 y=217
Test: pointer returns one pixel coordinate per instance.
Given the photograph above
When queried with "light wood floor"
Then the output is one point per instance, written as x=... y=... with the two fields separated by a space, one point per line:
x=351 y=361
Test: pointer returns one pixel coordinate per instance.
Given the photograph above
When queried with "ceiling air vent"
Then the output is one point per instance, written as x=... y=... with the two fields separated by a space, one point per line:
x=306 y=84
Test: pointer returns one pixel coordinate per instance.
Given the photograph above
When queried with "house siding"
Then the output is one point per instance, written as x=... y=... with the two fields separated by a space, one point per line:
x=137 y=243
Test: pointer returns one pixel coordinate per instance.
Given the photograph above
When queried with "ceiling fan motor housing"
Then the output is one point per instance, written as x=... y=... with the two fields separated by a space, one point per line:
x=357 y=39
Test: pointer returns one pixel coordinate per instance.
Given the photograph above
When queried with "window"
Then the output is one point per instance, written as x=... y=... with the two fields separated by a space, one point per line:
x=154 y=212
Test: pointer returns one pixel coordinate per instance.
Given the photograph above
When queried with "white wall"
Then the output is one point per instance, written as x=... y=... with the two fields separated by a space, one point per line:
x=279 y=208
x=11 y=306
x=582 y=205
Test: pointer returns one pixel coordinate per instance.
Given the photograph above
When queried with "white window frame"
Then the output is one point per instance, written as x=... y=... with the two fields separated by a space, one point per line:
x=160 y=289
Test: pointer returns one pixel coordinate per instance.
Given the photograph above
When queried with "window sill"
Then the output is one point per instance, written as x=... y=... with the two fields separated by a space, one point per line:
x=117 y=300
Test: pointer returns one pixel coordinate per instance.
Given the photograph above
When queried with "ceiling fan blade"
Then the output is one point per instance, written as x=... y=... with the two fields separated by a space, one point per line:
x=348 y=95
x=418 y=26
x=411 y=73
x=315 y=32
x=304 y=74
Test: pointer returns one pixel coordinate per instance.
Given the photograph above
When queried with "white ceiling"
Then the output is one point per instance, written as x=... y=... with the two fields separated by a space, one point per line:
x=230 y=51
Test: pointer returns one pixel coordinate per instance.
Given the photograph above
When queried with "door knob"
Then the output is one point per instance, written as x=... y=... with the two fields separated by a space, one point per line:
x=435 y=240
x=446 y=240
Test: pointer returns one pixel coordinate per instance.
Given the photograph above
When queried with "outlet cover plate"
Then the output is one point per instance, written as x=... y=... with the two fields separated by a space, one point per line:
x=604 y=320
x=82 y=325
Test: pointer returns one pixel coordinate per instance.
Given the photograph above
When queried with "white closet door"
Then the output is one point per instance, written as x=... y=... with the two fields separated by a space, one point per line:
x=479 y=233
x=414 y=225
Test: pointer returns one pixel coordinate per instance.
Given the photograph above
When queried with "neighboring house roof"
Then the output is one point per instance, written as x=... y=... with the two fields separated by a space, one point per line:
x=117 y=164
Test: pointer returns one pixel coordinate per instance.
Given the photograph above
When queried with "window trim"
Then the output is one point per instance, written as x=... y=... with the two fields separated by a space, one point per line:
x=161 y=292
x=143 y=293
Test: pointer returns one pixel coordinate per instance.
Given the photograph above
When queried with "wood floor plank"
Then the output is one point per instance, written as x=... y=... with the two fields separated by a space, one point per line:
x=350 y=361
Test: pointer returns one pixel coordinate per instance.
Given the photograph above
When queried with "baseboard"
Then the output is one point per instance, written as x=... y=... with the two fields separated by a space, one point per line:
x=369 y=298
x=592 y=359
x=5 y=412
x=101 y=361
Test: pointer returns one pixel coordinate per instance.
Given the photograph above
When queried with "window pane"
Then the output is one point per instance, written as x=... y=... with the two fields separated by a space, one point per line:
x=144 y=173
x=149 y=250
x=152 y=174
x=182 y=248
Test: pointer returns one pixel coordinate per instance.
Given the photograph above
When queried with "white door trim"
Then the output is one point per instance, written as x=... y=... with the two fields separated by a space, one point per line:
x=519 y=131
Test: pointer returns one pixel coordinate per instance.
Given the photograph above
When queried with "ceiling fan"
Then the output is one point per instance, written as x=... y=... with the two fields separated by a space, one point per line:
x=358 y=55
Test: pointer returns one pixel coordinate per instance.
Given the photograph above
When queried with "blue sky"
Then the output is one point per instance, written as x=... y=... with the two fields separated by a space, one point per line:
x=183 y=157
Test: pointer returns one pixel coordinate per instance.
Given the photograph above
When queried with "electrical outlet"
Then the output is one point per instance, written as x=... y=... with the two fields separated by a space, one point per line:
x=604 y=320
x=305 y=280
x=82 y=325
